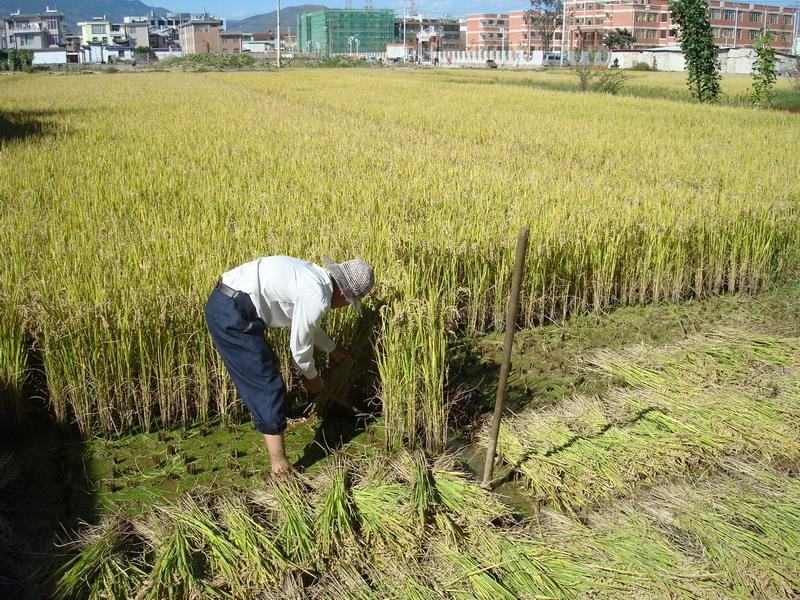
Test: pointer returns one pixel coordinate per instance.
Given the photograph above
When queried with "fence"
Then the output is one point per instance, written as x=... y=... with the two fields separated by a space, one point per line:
x=514 y=58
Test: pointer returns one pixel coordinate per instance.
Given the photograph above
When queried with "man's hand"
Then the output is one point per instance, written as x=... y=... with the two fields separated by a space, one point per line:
x=314 y=386
x=340 y=354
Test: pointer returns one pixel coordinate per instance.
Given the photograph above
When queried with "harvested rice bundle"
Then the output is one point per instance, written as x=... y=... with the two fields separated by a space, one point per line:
x=586 y=472
x=384 y=516
x=106 y=566
x=461 y=575
x=585 y=416
x=751 y=539
x=626 y=550
x=336 y=523
x=254 y=538
x=413 y=468
x=527 y=564
x=208 y=537
x=344 y=582
x=176 y=567
x=464 y=498
x=699 y=361
x=287 y=499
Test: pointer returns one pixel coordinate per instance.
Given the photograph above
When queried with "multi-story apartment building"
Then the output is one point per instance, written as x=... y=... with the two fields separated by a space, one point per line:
x=447 y=31
x=201 y=36
x=735 y=25
x=488 y=31
x=33 y=31
x=102 y=31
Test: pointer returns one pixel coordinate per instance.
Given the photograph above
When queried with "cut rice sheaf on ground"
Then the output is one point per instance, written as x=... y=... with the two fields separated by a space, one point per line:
x=692 y=404
x=735 y=534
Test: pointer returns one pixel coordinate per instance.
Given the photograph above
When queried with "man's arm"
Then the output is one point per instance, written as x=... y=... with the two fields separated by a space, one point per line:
x=303 y=335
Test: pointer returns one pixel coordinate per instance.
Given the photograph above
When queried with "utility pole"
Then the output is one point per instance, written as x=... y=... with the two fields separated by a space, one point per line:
x=563 y=32
x=405 y=16
x=278 y=35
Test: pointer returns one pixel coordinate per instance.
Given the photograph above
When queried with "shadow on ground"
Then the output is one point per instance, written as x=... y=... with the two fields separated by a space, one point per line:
x=30 y=124
x=45 y=492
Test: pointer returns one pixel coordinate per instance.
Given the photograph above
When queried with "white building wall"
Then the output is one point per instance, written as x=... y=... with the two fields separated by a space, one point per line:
x=50 y=58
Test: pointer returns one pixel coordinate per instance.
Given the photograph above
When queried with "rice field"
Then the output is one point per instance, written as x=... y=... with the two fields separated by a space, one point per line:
x=126 y=195
x=645 y=467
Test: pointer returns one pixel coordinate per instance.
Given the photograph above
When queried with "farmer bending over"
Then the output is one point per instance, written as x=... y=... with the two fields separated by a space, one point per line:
x=279 y=291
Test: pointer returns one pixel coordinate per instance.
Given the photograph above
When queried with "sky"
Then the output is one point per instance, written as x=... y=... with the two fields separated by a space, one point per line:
x=239 y=9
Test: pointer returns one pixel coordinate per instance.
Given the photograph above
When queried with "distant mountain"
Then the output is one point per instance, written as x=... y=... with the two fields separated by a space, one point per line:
x=82 y=10
x=268 y=21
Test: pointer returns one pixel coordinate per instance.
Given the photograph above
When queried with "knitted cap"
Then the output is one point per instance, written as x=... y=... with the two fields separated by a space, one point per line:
x=354 y=277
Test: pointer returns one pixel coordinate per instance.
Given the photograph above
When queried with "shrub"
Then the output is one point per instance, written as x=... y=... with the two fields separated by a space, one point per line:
x=641 y=66
x=210 y=61
x=610 y=81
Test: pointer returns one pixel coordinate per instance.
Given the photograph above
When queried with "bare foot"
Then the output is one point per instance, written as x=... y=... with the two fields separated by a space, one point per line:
x=280 y=467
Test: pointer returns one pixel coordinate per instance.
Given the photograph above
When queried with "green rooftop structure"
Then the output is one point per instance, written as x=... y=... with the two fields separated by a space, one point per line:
x=330 y=31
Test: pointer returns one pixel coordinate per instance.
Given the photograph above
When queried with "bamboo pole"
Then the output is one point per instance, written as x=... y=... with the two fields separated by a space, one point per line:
x=505 y=366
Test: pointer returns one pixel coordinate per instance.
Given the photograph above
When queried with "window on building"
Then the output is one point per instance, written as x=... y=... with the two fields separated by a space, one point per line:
x=26 y=39
x=51 y=23
x=752 y=34
x=772 y=19
x=785 y=37
x=755 y=16
x=787 y=19
x=662 y=33
x=716 y=14
x=115 y=29
x=727 y=15
x=664 y=17
x=98 y=28
x=202 y=28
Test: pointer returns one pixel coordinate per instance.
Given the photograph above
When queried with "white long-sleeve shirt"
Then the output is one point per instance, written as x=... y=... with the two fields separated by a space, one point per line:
x=288 y=291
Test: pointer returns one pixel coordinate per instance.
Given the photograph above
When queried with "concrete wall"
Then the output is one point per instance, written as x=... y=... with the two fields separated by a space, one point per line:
x=167 y=52
x=664 y=61
x=50 y=57
x=513 y=59
x=740 y=60
x=733 y=60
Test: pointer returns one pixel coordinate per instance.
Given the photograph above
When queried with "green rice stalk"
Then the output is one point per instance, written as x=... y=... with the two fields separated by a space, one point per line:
x=254 y=542
x=336 y=522
x=103 y=567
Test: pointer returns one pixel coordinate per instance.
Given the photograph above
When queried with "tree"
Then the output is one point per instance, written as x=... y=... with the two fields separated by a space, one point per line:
x=544 y=17
x=764 y=75
x=619 y=38
x=699 y=50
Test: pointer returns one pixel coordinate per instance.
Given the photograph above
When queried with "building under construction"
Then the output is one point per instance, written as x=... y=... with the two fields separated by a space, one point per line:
x=338 y=31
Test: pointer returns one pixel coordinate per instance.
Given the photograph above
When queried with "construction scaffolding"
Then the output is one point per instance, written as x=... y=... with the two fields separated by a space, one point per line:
x=338 y=31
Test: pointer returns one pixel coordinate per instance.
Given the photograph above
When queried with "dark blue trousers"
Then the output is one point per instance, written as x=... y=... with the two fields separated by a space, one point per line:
x=238 y=336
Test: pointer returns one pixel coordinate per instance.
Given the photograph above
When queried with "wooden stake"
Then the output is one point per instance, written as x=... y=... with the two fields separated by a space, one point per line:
x=505 y=366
